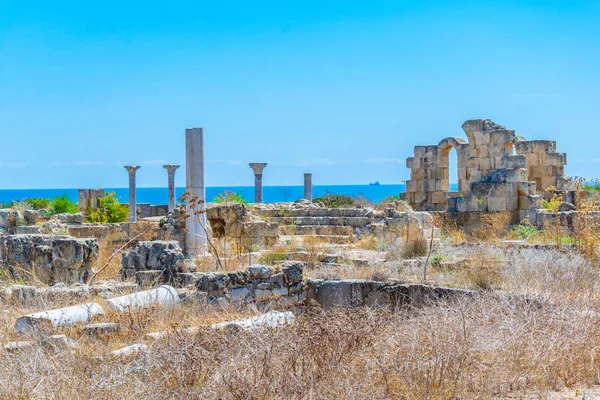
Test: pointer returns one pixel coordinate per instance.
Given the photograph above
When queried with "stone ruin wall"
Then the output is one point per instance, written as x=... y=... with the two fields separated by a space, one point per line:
x=497 y=172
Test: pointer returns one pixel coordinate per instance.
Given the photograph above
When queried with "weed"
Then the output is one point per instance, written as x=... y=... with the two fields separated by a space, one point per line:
x=525 y=231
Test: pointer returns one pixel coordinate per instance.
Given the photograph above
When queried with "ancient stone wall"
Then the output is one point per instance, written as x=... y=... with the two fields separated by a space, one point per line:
x=49 y=259
x=544 y=165
x=492 y=178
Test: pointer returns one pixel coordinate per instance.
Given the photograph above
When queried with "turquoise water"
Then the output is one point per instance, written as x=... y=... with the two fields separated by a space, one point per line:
x=271 y=194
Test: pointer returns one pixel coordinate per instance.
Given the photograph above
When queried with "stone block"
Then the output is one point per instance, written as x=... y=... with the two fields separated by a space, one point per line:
x=442 y=185
x=462 y=204
x=495 y=204
x=238 y=294
x=452 y=205
x=481 y=139
x=429 y=185
x=516 y=175
x=529 y=202
x=212 y=281
x=260 y=271
x=516 y=162
x=512 y=203
x=417 y=174
x=439 y=197
x=293 y=271
x=149 y=278
x=523 y=188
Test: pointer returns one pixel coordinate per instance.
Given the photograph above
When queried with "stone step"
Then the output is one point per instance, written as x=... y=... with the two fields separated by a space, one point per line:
x=332 y=239
x=315 y=212
x=315 y=230
x=323 y=221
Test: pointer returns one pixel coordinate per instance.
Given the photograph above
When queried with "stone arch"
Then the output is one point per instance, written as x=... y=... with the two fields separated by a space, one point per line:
x=444 y=148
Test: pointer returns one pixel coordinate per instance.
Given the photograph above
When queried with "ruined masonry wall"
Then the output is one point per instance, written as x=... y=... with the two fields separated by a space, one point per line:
x=491 y=177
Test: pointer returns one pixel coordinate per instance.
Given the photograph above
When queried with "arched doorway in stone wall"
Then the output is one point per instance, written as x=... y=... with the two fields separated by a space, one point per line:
x=453 y=165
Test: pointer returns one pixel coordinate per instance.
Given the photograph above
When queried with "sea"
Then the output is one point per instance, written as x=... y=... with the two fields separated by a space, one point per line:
x=271 y=194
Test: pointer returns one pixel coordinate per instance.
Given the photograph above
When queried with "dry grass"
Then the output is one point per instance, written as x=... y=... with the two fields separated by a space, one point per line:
x=367 y=243
x=314 y=248
x=415 y=247
x=540 y=335
x=482 y=348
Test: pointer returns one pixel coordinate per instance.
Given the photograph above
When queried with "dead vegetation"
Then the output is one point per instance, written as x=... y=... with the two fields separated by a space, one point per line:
x=486 y=347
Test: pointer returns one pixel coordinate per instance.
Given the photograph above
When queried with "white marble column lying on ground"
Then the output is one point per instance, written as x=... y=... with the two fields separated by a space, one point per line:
x=132 y=169
x=195 y=239
x=308 y=186
x=258 y=187
x=171 y=184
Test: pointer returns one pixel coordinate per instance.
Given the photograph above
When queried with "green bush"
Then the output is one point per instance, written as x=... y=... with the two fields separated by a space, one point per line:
x=525 y=232
x=63 y=205
x=592 y=187
x=7 y=204
x=390 y=199
x=109 y=210
x=230 y=197
x=38 y=203
x=335 y=201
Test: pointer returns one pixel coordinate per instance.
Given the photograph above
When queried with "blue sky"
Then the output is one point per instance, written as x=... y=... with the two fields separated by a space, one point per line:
x=343 y=89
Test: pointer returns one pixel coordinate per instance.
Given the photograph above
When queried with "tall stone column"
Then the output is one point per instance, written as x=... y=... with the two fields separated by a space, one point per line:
x=171 y=172
x=132 y=169
x=308 y=186
x=196 y=236
x=258 y=187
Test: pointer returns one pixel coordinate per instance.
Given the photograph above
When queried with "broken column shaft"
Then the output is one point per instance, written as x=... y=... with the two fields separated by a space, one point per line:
x=258 y=187
x=196 y=236
x=308 y=186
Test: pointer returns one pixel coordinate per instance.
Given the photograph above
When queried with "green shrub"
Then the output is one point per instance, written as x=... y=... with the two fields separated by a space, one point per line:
x=335 y=201
x=63 y=205
x=390 y=199
x=525 y=232
x=230 y=197
x=8 y=204
x=38 y=203
x=109 y=210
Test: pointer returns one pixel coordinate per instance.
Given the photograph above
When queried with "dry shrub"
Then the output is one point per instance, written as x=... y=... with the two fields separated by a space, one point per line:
x=314 y=248
x=491 y=226
x=415 y=247
x=367 y=243
x=481 y=347
x=112 y=261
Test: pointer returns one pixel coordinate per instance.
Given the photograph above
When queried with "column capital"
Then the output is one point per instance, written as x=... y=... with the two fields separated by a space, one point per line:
x=258 y=167
x=132 y=169
x=171 y=168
